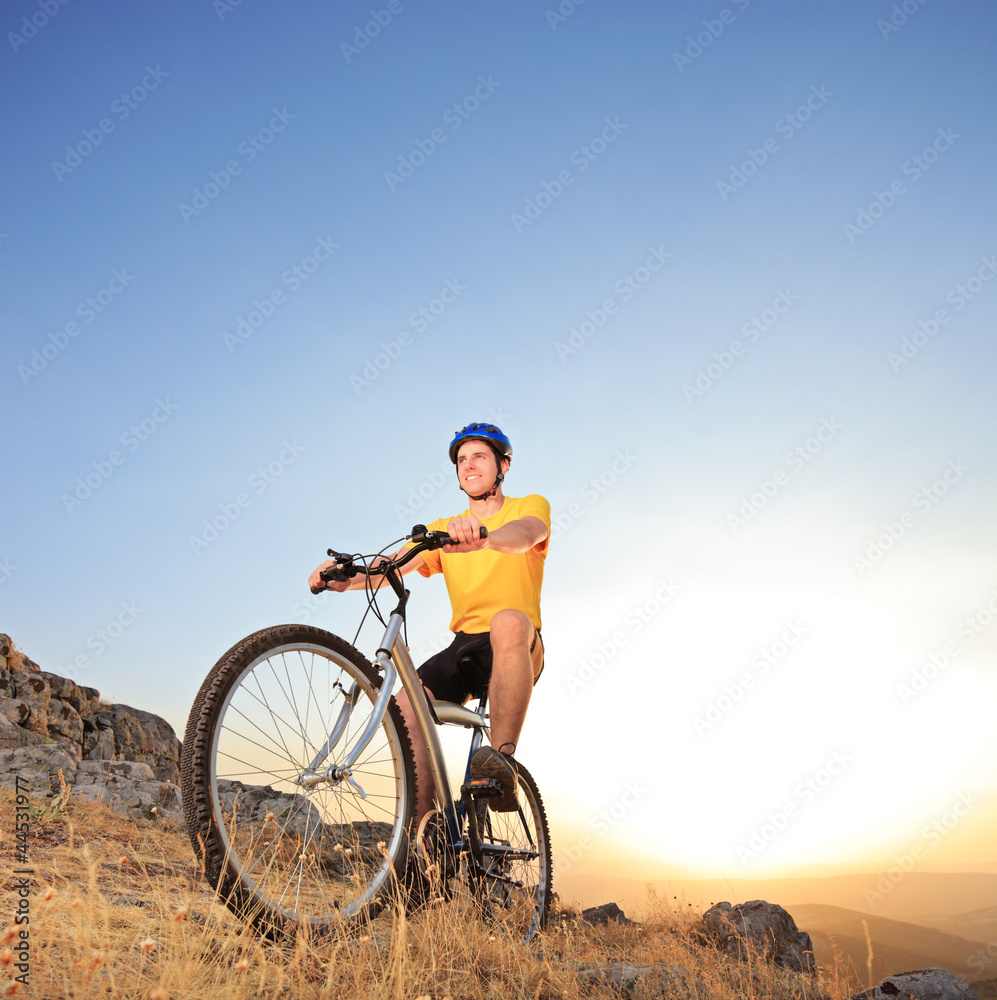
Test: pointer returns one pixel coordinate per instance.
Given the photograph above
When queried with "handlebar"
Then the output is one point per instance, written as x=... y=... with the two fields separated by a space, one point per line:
x=426 y=540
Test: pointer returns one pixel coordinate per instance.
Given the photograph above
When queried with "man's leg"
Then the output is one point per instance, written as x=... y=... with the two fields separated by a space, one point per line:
x=511 y=683
x=420 y=755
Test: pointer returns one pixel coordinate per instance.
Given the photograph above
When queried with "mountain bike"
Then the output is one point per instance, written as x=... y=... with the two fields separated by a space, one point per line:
x=299 y=785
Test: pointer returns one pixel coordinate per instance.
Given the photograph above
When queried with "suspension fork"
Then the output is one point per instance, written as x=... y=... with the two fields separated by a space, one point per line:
x=342 y=771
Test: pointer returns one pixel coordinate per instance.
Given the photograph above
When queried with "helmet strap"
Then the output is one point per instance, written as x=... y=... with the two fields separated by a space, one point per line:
x=491 y=492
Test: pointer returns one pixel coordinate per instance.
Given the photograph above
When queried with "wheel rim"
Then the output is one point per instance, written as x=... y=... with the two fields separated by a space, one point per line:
x=316 y=854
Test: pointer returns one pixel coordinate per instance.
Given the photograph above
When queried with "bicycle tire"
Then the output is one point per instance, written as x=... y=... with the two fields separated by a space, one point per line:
x=278 y=854
x=515 y=882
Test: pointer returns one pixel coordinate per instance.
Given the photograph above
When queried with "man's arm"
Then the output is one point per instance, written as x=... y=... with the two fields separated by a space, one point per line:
x=513 y=538
x=358 y=582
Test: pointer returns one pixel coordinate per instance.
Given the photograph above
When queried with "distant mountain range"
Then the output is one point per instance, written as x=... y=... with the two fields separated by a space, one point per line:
x=839 y=939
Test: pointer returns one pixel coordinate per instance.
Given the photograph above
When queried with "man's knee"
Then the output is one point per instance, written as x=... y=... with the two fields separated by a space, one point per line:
x=510 y=628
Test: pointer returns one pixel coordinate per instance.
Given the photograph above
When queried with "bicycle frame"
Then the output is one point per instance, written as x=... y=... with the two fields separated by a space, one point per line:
x=393 y=661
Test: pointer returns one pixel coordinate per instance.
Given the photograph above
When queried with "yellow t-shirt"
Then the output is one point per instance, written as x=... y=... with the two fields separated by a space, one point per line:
x=483 y=583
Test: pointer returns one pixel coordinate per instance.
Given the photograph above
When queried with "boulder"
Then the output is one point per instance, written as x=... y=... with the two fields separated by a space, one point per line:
x=127 y=786
x=39 y=765
x=64 y=722
x=98 y=738
x=83 y=700
x=146 y=738
x=33 y=690
x=12 y=735
x=760 y=931
x=922 y=984
x=15 y=710
x=603 y=914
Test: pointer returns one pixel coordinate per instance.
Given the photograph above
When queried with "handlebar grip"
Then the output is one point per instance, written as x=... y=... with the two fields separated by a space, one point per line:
x=435 y=539
x=482 y=533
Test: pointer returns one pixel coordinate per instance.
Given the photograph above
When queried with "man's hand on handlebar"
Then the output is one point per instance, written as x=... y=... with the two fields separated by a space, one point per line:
x=467 y=531
x=343 y=573
x=317 y=584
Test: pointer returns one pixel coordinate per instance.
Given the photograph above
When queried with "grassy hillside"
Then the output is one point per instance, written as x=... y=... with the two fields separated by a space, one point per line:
x=118 y=909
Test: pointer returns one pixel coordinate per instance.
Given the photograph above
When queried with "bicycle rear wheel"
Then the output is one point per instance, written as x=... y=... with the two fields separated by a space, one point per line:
x=514 y=881
x=281 y=854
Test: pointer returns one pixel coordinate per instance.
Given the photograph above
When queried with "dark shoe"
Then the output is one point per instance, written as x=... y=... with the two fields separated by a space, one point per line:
x=488 y=762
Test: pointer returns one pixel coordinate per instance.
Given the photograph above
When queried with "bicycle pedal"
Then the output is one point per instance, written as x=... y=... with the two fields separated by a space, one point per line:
x=483 y=787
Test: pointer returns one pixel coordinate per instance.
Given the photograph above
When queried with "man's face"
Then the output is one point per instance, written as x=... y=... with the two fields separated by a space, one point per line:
x=477 y=466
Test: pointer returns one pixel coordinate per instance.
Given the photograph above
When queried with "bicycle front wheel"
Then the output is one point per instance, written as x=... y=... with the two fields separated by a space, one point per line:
x=282 y=852
x=514 y=880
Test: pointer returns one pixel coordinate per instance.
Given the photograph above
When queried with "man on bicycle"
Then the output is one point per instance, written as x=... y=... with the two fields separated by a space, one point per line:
x=494 y=585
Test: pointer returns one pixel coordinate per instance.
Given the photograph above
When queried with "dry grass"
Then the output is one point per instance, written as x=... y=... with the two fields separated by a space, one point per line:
x=118 y=909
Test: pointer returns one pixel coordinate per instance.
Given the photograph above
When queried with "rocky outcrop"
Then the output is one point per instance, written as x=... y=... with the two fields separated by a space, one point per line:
x=123 y=756
x=759 y=931
x=923 y=984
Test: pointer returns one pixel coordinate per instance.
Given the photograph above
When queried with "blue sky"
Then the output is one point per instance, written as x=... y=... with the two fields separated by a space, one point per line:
x=723 y=272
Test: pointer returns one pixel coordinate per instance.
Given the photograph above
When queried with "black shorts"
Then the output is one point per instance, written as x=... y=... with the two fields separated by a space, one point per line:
x=463 y=669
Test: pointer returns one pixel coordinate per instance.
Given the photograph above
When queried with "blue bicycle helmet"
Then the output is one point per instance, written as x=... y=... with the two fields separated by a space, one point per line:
x=483 y=432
